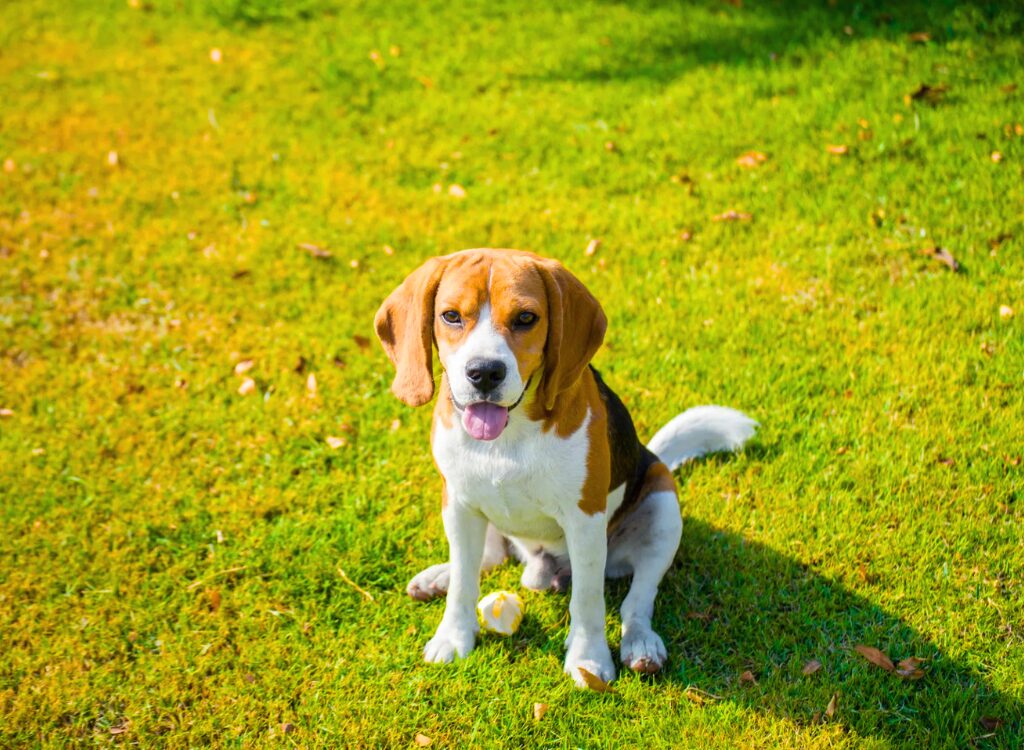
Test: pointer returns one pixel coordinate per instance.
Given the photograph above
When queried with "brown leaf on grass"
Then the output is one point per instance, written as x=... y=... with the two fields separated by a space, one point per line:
x=910 y=668
x=991 y=723
x=942 y=255
x=244 y=366
x=830 y=709
x=702 y=616
x=1008 y=88
x=732 y=215
x=6 y=413
x=699 y=697
x=247 y=387
x=747 y=678
x=213 y=599
x=315 y=250
x=811 y=667
x=751 y=159
x=999 y=239
x=1012 y=460
x=919 y=37
x=539 y=709
x=838 y=149
x=362 y=342
x=422 y=740
x=946 y=461
x=287 y=728
x=876 y=657
x=594 y=682
x=592 y=247
x=929 y=94
x=119 y=728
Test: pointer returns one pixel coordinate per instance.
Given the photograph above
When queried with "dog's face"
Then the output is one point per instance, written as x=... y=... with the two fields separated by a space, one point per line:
x=501 y=320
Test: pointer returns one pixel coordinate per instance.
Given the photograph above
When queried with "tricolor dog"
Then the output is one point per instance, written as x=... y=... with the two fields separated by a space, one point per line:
x=539 y=457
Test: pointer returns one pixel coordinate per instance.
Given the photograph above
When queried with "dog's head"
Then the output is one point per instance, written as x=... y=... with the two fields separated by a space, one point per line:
x=501 y=320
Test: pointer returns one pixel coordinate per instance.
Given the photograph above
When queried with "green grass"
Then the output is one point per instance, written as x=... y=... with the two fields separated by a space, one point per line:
x=170 y=549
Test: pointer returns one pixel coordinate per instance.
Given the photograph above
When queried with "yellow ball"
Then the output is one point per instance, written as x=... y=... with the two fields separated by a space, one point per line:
x=501 y=612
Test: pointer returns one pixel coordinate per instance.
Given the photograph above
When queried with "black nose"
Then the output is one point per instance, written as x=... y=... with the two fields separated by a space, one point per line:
x=485 y=374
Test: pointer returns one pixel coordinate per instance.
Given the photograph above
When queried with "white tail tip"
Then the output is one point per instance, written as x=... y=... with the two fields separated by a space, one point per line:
x=700 y=431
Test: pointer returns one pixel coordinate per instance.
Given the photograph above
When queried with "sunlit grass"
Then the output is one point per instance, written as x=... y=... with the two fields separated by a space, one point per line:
x=171 y=549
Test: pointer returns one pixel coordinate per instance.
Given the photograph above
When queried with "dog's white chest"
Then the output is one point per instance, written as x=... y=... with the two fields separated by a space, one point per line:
x=523 y=482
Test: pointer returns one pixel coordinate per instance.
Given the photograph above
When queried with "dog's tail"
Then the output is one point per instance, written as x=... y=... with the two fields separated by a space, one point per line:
x=699 y=431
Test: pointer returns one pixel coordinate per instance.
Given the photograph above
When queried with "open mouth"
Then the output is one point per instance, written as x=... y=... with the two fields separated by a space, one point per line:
x=485 y=420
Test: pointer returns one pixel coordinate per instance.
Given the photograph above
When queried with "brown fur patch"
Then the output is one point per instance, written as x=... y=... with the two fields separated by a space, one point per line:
x=594 y=497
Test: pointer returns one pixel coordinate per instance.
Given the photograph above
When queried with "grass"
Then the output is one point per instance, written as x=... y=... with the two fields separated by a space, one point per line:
x=170 y=556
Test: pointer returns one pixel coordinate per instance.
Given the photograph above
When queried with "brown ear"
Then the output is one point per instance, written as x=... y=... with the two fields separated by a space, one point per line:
x=576 y=326
x=405 y=326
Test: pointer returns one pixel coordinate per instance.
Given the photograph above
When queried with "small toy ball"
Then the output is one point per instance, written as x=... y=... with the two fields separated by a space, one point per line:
x=501 y=612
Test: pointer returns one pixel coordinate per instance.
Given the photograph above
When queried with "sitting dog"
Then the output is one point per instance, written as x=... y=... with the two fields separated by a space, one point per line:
x=539 y=457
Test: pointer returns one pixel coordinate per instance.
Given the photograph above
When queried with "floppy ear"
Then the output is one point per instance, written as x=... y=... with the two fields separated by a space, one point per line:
x=576 y=326
x=405 y=326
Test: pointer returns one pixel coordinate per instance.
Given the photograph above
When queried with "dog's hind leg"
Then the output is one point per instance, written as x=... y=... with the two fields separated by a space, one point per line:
x=432 y=582
x=645 y=542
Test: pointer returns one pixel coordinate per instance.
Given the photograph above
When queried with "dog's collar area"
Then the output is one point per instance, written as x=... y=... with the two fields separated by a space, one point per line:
x=461 y=407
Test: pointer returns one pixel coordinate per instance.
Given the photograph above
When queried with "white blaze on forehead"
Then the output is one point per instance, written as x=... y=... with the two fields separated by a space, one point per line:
x=484 y=342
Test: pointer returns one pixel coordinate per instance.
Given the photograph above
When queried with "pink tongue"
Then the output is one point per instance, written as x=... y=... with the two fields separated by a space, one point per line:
x=485 y=421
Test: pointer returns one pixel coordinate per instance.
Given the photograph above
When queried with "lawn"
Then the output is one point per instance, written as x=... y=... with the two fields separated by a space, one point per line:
x=196 y=554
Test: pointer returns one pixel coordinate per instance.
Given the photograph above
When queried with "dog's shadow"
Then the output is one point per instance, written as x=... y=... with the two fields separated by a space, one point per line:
x=730 y=606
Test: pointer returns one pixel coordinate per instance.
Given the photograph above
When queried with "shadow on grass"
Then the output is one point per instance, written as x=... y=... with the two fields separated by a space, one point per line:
x=729 y=605
x=680 y=35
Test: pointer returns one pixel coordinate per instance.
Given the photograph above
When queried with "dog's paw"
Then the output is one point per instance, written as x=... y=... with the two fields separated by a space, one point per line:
x=449 y=643
x=643 y=651
x=591 y=654
x=429 y=584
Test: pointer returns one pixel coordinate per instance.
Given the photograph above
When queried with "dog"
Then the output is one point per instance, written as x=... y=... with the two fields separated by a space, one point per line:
x=539 y=458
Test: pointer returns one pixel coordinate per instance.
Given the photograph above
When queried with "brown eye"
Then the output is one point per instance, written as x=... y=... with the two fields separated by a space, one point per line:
x=451 y=317
x=525 y=319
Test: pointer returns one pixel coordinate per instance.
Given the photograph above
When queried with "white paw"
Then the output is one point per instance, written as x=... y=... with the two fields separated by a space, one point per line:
x=643 y=651
x=430 y=583
x=447 y=643
x=591 y=654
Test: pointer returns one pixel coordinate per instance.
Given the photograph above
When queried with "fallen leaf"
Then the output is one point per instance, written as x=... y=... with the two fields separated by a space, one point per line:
x=592 y=247
x=539 y=709
x=996 y=157
x=876 y=657
x=311 y=385
x=830 y=709
x=6 y=413
x=1012 y=460
x=920 y=37
x=362 y=342
x=287 y=728
x=999 y=239
x=748 y=678
x=119 y=728
x=946 y=461
x=751 y=159
x=388 y=250
x=837 y=149
x=213 y=599
x=594 y=682
x=244 y=366
x=702 y=616
x=699 y=697
x=928 y=93
x=456 y=191
x=942 y=255
x=910 y=668
x=10 y=165
x=315 y=250
x=991 y=723
x=216 y=56
x=247 y=387
x=335 y=442
x=422 y=740
x=1008 y=88
x=732 y=215
x=811 y=667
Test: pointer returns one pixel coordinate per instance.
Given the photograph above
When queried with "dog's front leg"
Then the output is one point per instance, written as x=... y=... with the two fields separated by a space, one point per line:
x=586 y=645
x=466 y=530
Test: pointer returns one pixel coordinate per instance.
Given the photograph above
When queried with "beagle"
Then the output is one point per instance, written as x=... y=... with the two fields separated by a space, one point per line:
x=539 y=457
